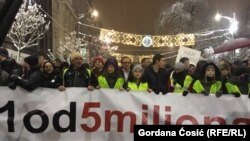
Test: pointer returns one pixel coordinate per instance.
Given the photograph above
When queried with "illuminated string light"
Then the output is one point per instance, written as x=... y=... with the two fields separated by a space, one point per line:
x=207 y=33
x=233 y=22
x=158 y=41
x=215 y=37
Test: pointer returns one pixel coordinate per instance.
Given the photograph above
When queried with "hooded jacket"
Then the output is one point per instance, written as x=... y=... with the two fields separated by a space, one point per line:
x=208 y=85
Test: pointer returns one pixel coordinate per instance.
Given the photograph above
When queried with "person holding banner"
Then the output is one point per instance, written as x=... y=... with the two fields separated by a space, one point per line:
x=210 y=82
x=239 y=83
x=110 y=77
x=180 y=81
x=136 y=81
x=32 y=79
x=52 y=77
x=157 y=76
x=98 y=64
x=77 y=75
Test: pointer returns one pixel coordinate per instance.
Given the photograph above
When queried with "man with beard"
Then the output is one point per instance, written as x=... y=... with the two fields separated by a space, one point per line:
x=180 y=81
x=77 y=75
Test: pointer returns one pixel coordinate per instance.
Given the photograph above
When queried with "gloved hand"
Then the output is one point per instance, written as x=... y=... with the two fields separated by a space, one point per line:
x=236 y=94
x=249 y=95
x=13 y=82
x=16 y=79
x=12 y=85
x=205 y=93
x=164 y=93
x=185 y=93
x=218 y=94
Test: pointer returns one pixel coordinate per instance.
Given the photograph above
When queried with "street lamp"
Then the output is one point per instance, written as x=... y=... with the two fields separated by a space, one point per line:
x=90 y=15
x=233 y=22
x=94 y=13
x=233 y=28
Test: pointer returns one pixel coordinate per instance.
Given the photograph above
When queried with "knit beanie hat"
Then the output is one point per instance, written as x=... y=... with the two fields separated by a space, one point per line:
x=112 y=62
x=98 y=58
x=179 y=66
x=138 y=66
x=75 y=55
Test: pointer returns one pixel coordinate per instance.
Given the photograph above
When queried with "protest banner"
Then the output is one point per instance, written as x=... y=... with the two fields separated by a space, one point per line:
x=108 y=115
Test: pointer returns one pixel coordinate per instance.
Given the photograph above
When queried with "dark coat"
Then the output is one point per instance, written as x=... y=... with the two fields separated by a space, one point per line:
x=4 y=78
x=30 y=81
x=52 y=80
x=78 y=78
x=157 y=81
x=241 y=79
x=10 y=66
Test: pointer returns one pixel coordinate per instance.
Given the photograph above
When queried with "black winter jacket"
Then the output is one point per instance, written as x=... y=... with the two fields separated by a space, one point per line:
x=30 y=81
x=52 y=80
x=78 y=78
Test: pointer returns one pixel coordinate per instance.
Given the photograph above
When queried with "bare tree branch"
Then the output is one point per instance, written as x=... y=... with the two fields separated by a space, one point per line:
x=29 y=27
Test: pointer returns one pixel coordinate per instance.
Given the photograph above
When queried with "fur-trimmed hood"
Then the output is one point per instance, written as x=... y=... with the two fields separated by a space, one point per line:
x=217 y=71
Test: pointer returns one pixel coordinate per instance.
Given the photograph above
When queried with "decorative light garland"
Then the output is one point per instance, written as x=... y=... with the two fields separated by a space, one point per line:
x=174 y=40
x=136 y=39
x=120 y=37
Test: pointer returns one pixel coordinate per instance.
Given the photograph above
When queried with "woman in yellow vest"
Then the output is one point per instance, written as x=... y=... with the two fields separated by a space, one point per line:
x=180 y=81
x=137 y=81
x=209 y=83
x=110 y=78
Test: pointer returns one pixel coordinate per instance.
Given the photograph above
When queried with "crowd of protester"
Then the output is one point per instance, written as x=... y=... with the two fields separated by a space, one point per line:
x=152 y=75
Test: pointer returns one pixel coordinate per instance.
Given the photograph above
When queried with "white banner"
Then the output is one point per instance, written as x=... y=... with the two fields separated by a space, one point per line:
x=192 y=54
x=107 y=115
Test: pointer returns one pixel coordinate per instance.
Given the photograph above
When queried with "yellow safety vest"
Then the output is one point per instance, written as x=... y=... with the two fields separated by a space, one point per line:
x=65 y=70
x=104 y=84
x=215 y=87
x=177 y=87
x=231 y=88
x=142 y=87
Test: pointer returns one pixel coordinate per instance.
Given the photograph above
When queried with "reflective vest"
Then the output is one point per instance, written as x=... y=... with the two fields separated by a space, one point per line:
x=231 y=88
x=142 y=87
x=215 y=87
x=65 y=70
x=177 y=87
x=104 y=84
